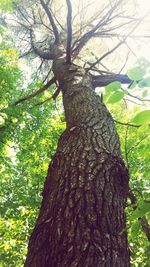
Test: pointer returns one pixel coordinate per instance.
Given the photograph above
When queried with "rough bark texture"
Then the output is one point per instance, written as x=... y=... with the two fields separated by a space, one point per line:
x=81 y=221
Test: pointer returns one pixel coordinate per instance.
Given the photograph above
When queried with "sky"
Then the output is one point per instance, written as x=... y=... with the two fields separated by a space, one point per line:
x=137 y=8
x=139 y=47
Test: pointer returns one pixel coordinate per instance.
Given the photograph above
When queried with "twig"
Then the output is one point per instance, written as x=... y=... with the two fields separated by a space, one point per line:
x=127 y=124
x=124 y=63
x=106 y=54
x=88 y=35
x=118 y=45
x=129 y=100
x=138 y=98
x=69 y=32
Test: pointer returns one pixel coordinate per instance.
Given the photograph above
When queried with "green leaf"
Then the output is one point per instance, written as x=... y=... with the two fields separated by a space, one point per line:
x=142 y=117
x=113 y=86
x=144 y=83
x=115 y=97
x=141 y=210
x=106 y=96
x=136 y=73
x=135 y=229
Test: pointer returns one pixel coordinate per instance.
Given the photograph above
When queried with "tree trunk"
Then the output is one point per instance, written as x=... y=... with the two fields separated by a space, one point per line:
x=82 y=221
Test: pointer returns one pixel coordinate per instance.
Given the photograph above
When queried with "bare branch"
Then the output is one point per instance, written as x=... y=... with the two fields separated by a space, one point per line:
x=127 y=57
x=58 y=22
x=69 y=31
x=46 y=86
x=22 y=14
x=88 y=35
x=106 y=54
x=43 y=54
x=103 y=80
x=134 y=102
x=119 y=44
x=136 y=97
x=42 y=22
x=54 y=27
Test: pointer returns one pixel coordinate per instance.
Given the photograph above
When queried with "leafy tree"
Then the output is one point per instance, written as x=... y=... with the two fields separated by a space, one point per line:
x=19 y=158
x=82 y=218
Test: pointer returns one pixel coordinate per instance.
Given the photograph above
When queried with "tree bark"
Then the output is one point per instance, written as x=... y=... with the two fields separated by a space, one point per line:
x=82 y=220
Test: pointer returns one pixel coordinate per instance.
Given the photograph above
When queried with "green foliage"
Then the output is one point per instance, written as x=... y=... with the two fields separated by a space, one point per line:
x=6 y=5
x=142 y=208
x=136 y=73
x=142 y=117
x=29 y=135
x=134 y=143
x=144 y=82
x=115 y=92
x=115 y=97
x=111 y=87
x=28 y=139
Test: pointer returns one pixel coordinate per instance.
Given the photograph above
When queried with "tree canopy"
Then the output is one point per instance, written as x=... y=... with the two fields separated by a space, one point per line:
x=31 y=111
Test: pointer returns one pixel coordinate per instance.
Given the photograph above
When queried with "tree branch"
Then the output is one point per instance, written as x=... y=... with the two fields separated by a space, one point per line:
x=138 y=98
x=42 y=54
x=103 y=80
x=88 y=35
x=69 y=31
x=106 y=54
x=127 y=124
x=118 y=45
x=47 y=85
x=50 y=17
x=54 y=96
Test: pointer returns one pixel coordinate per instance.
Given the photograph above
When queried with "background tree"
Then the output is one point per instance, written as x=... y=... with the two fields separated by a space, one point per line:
x=86 y=227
